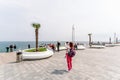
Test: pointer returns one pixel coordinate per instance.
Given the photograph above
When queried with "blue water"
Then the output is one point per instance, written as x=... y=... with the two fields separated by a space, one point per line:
x=20 y=45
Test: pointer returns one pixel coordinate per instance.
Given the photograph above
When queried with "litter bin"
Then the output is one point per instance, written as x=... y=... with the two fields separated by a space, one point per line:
x=19 y=56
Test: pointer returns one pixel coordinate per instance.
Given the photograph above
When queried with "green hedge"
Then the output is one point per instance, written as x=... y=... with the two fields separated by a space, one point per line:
x=41 y=49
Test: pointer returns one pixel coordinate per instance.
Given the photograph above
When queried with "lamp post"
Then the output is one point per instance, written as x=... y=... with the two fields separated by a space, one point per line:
x=73 y=34
x=114 y=38
x=90 y=42
x=110 y=40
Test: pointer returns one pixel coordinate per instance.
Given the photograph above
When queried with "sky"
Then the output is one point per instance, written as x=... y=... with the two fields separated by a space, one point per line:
x=99 y=17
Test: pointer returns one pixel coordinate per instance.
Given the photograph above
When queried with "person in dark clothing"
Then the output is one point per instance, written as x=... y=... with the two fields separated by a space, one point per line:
x=28 y=46
x=53 y=47
x=75 y=46
x=7 y=49
x=11 y=48
x=58 y=46
x=14 y=46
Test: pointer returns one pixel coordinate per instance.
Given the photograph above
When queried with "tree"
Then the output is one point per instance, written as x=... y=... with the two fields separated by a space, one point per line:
x=36 y=26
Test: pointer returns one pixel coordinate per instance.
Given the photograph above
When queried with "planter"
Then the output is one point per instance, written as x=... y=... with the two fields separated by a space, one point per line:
x=37 y=55
x=81 y=47
x=61 y=48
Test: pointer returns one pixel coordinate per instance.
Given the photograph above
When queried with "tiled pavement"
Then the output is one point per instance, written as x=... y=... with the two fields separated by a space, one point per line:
x=89 y=64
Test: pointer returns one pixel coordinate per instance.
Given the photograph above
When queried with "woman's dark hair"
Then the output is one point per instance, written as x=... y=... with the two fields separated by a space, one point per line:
x=71 y=44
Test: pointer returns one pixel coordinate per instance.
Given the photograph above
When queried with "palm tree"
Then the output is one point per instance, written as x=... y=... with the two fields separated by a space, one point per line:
x=36 y=26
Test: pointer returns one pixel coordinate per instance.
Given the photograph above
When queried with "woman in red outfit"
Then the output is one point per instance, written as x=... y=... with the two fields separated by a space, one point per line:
x=68 y=58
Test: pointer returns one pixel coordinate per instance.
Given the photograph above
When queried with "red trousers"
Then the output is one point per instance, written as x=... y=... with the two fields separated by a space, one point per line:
x=69 y=62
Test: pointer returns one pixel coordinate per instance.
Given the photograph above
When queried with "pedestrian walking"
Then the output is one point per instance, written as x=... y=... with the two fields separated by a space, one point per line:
x=7 y=49
x=76 y=46
x=11 y=48
x=58 y=46
x=53 y=47
x=28 y=46
x=70 y=52
x=14 y=46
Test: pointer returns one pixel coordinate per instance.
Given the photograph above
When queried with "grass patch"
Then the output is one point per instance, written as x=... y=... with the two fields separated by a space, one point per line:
x=41 y=49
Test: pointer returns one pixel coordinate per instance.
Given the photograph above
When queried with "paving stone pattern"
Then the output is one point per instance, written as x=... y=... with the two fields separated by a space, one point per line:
x=89 y=64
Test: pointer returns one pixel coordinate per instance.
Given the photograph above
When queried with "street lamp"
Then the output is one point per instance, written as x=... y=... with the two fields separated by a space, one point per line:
x=90 y=42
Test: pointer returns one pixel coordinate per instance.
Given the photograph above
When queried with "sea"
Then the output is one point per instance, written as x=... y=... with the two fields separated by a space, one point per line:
x=20 y=45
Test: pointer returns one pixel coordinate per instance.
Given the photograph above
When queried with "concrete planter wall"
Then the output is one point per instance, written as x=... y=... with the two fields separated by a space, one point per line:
x=36 y=55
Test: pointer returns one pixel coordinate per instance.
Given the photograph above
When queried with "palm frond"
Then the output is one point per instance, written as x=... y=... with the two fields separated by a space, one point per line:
x=36 y=26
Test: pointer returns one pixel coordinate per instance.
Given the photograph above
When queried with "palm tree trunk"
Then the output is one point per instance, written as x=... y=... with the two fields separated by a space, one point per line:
x=36 y=33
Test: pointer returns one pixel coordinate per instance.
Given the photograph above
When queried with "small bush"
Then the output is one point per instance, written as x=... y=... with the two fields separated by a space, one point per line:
x=41 y=49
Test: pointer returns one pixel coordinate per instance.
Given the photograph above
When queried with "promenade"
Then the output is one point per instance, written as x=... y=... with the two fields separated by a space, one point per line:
x=89 y=64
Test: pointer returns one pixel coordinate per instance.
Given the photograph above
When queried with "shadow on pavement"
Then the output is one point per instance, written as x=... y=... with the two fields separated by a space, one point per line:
x=59 y=72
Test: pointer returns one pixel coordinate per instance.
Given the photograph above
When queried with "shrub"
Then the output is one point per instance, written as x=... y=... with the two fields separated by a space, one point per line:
x=41 y=49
